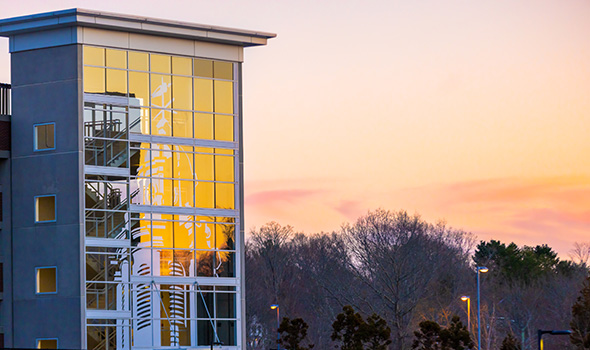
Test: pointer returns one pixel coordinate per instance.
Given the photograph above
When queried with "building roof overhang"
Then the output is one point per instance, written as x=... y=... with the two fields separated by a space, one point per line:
x=133 y=24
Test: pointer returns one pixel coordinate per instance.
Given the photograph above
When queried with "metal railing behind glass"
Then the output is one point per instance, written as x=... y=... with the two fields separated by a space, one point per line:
x=5 y=99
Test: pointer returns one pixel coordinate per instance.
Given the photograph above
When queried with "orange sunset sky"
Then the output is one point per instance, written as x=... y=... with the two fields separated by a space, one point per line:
x=475 y=112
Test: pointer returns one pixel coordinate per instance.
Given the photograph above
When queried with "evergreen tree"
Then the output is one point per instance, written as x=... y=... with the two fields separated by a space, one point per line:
x=428 y=336
x=431 y=336
x=293 y=333
x=580 y=323
x=353 y=333
x=510 y=343
x=456 y=336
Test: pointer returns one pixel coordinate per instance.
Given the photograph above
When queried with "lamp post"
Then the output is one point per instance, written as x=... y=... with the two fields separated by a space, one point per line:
x=276 y=306
x=481 y=269
x=540 y=333
x=468 y=300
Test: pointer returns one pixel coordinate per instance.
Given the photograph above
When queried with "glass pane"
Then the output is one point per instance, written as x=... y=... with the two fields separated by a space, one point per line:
x=116 y=58
x=183 y=163
x=47 y=344
x=160 y=63
x=183 y=194
x=203 y=68
x=45 y=207
x=161 y=192
x=141 y=231
x=161 y=162
x=204 y=126
x=140 y=162
x=116 y=82
x=204 y=194
x=182 y=93
x=139 y=121
x=225 y=264
x=224 y=168
x=223 y=96
x=138 y=61
x=224 y=196
x=204 y=167
x=223 y=70
x=181 y=66
x=161 y=122
x=141 y=191
x=94 y=80
x=93 y=56
x=224 y=127
x=44 y=136
x=226 y=331
x=204 y=234
x=225 y=237
x=183 y=232
x=205 y=267
x=139 y=88
x=226 y=305
x=47 y=280
x=161 y=95
x=182 y=124
x=203 y=95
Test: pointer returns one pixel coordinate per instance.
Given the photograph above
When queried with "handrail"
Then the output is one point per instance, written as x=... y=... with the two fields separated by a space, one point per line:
x=5 y=99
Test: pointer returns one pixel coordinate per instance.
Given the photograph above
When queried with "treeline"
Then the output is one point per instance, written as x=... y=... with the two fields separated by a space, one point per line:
x=407 y=271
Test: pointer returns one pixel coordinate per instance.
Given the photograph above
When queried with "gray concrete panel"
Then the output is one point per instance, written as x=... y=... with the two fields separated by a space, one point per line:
x=49 y=106
x=45 y=65
x=46 y=245
x=47 y=317
x=48 y=174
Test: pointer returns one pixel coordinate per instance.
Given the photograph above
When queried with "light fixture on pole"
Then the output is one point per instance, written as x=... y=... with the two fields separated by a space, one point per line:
x=276 y=306
x=468 y=300
x=481 y=269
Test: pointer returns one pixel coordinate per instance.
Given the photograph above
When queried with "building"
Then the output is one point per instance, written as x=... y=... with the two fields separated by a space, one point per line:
x=121 y=188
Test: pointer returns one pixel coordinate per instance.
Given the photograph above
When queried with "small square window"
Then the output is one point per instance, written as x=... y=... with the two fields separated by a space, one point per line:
x=44 y=208
x=47 y=343
x=44 y=136
x=46 y=280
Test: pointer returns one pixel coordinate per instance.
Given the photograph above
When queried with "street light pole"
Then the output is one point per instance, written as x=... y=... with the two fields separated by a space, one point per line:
x=468 y=300
x=481 y=269
x=540 y=333
x=276 y=306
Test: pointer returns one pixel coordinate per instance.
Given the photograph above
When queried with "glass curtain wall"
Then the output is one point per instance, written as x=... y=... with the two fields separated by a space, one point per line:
x=161 y=191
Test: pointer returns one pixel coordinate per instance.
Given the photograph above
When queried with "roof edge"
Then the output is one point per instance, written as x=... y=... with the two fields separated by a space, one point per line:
x=129 y=23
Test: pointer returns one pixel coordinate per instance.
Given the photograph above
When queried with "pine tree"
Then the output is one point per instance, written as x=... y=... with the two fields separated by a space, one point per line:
x=580 y=323
x=293 y=333
x=510 y=343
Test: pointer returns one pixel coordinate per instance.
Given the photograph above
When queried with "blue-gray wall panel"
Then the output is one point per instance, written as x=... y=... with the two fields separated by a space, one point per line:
x=46 y=174
x=45 y=318
x=47 y=245
x=44 y=65
x=47 y=88
x=45 y=103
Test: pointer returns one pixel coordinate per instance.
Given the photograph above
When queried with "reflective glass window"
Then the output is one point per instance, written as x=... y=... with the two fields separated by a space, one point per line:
x=203 y=126
x=203 y=68
x=224 y=99
x=94 y=80
x=182 y=93
x=94 y=56
x=116 y=58
x=203 y=95
x=181 y=65
x=138 y=61
x=223 y=70
x=160 y=63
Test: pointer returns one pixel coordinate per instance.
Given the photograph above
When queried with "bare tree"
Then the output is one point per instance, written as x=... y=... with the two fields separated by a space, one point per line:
x=397 y=257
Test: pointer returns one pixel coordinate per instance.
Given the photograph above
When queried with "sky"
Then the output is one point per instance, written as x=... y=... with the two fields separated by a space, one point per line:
x=472 y=112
